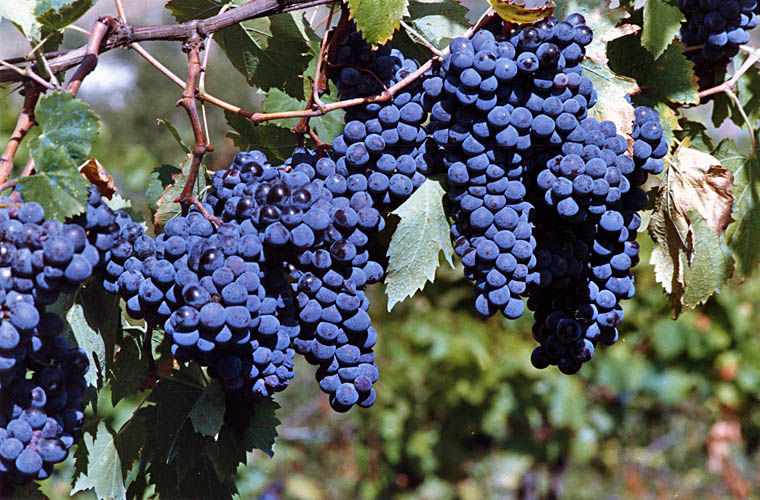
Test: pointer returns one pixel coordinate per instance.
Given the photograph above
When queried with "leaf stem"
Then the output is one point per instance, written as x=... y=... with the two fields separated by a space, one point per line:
x=422 y=39
x=747 y=121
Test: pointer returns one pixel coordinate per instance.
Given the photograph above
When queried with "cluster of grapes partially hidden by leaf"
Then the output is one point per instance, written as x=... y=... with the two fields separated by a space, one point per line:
x=713 y=32
x=41 y=375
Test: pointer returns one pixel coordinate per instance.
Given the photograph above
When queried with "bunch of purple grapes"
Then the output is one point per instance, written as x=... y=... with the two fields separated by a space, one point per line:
x=41 y=375
x=713 y=32
x=544 y=198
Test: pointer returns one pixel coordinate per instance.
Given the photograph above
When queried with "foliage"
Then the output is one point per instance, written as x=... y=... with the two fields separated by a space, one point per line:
x=461 y=407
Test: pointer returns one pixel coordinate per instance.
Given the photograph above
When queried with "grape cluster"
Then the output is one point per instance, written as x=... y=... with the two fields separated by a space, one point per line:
x=41 y=376
x=714 y=30
x=41 y=415
x=314 y=224
x=360 y=71
x=497 y=105
x=544 y=198
x=380 y=148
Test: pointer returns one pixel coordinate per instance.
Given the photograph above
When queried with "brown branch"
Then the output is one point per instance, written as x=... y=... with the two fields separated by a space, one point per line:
x=193 y=47
x=127 y=34
x=90 y=60
x=23 y=125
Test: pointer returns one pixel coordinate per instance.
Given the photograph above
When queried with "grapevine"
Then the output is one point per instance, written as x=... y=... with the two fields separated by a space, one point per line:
x=547 y=168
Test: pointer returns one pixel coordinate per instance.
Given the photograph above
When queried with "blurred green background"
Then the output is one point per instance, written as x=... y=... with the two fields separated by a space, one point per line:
x=671 y=411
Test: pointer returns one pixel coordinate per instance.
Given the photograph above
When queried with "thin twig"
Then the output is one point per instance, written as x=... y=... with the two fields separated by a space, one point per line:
x=99 y=31
x=120 y=11
x=193 y=47
x=320 y=23
x=747 y=121
x=24 y=123
x=322 y=54
x=202 y=79
x=28 y=168
x=78 y=29
x=128 y=34
x=27 y=73
x=754 y=57
x=157 y=64
x=432 y=48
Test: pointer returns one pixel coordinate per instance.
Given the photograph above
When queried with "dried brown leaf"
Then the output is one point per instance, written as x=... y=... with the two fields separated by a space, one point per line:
x=96 y=173
x=699 y=182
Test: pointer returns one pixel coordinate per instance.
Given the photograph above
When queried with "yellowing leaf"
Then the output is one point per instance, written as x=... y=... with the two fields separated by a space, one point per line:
x=523 y=11
x=702 y=184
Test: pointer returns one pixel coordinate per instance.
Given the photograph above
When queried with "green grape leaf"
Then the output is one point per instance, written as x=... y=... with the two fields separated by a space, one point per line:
x=671 y=75
x=277 y=101
x=166 y=207
x=104 y=467
x=271 y=52
x=207 y=414
x=274 y=141
x=710 y=265
x=132 y=440
x=66 y=121
x=177 y=462
x=30 y=491
x=158 y=180
x=439 y=21
x=262 y=430
x=21 y=13
x=611 y=90
x=57 y=14
x=744 y=234
x=230 y=449
x=413 y=254
x=58 y=186
x=662 y=23
x=89 y=340
x=175 y=133
x=377 y=20
x=127 y=371
x=327 y=127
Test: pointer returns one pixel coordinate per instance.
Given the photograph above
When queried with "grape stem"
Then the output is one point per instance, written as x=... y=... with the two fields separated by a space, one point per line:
x=202 y=146
x=422 y=39
x=24 y=123
x=729 y=88
x=27 y=72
